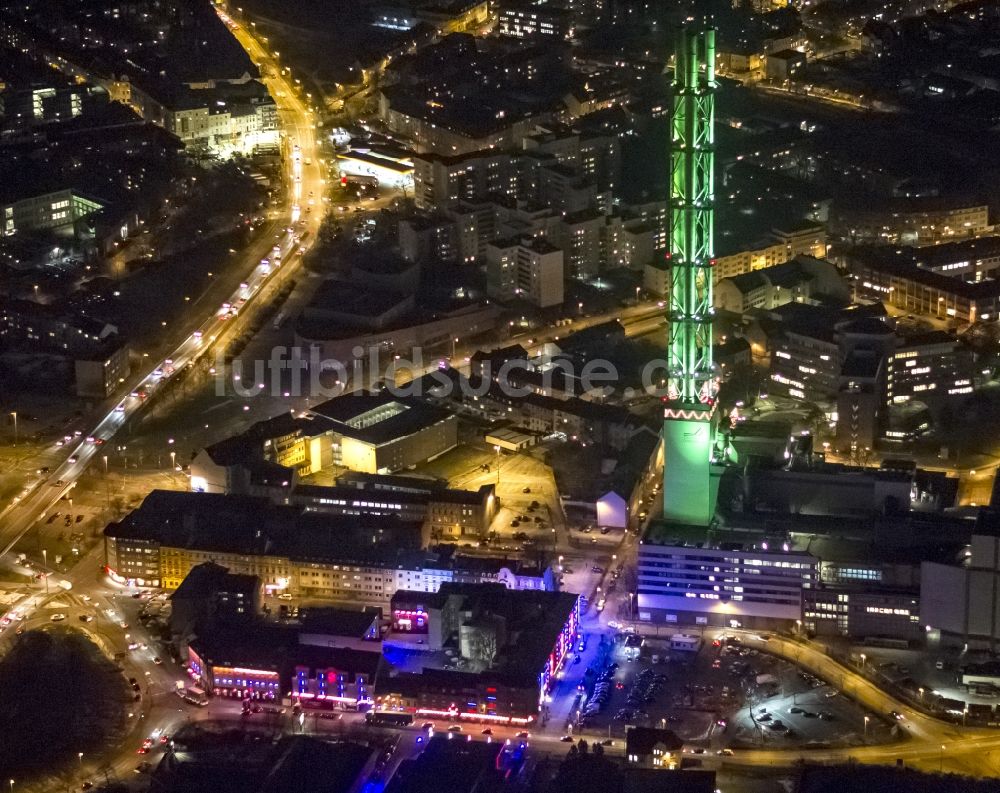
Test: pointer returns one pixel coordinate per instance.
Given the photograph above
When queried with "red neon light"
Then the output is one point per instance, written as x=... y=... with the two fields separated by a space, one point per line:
x=330 y=698
x=449 y=714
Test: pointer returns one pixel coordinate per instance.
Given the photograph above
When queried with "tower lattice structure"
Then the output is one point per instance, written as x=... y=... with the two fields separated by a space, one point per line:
x=691 y=375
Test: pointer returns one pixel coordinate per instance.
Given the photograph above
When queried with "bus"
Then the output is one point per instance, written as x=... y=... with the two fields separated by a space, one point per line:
x=388 y=718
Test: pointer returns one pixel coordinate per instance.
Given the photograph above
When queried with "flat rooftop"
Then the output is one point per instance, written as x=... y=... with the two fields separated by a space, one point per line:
x=533 y=621
x=390 y=417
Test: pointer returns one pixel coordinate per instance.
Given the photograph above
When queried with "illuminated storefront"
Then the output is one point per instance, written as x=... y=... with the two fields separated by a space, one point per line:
x=235 y=681
x=564 y=644
x=306 y=675
x=409 y=620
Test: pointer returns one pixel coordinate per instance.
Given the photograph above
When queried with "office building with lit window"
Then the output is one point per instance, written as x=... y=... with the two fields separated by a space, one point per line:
x=445 y=513
x=57 y=212
x=441 y=179
x=524 y=19
x=212 y=595
x=863 y=613
x=720 y=585
x=957 y=281
x=805 y=360
x=865 y=592
x=929 y=367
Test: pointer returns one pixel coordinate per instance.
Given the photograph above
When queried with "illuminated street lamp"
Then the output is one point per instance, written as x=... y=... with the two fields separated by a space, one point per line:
x=497 y=450
x=14 y=414
x=866 y=728
x=45 y=573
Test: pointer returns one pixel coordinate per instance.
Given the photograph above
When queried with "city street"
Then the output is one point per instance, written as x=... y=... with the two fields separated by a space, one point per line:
x=90 y=593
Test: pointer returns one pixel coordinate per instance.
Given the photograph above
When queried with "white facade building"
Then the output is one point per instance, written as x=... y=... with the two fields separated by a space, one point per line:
x=686 y=585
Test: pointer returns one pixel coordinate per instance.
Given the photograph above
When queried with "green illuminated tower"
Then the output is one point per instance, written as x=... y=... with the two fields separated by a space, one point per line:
x=689 y=421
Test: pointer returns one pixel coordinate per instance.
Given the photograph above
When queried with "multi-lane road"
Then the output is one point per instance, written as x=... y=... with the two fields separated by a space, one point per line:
x=200 y=336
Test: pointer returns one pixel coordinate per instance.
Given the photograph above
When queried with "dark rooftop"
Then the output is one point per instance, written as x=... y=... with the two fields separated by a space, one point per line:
x=408 y=415
x=247 y=762
x=916 y=265
x=886 y=779
x=349 y=298
x=533 y=621
x=452 y=766
x=642 y=740
x=926 y=338
x=355 y=623
x=254 y=526
x=277 y=648
x=205 y=580
x=488 y=113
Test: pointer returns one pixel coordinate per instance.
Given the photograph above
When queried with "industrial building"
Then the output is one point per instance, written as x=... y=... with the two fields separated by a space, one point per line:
x=959 y=598
x=862 y=575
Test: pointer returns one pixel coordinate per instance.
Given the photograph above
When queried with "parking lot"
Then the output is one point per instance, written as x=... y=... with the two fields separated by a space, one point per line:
x=932 y=678
x=720 y=697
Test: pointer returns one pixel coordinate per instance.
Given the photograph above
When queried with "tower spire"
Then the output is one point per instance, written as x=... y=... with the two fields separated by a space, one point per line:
x=692 y=210
x=689 y=420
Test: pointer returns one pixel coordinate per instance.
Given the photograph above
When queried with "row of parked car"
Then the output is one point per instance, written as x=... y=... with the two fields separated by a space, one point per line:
x=602 y=691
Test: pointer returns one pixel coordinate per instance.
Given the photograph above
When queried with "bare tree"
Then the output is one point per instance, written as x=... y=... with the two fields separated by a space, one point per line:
x=484 y=647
